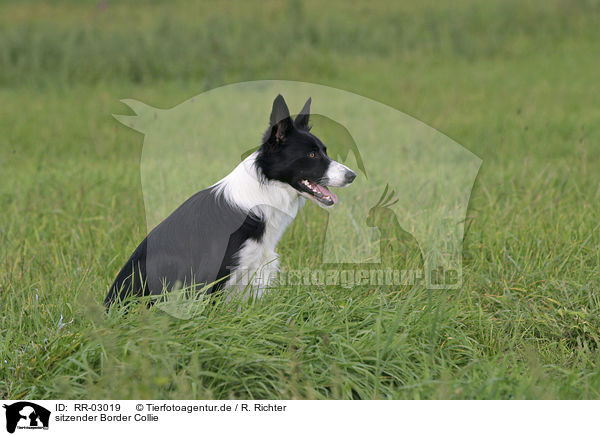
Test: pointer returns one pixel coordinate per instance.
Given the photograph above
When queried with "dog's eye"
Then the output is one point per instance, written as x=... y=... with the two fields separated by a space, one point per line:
x=312 y=154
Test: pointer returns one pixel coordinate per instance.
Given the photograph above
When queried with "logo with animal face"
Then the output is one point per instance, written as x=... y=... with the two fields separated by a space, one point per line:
x=26 y=415
x=409 y=202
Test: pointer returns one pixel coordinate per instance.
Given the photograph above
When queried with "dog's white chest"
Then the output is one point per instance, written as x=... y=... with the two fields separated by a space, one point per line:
x=257 y=261
x=277 y=204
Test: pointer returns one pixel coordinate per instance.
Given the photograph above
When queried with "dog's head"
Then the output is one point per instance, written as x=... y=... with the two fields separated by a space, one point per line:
x=292 y=155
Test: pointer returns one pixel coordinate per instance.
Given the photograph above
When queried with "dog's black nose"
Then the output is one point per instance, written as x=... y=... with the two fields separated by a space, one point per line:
x=350 y=176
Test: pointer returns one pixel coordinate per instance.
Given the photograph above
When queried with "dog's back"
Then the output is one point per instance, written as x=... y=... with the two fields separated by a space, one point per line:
x=195 y=245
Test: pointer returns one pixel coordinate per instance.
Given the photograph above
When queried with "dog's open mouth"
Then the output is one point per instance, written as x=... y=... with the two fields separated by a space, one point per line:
x=319 y=193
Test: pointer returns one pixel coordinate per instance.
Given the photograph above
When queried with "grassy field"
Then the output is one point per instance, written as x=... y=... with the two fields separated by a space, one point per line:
x=514 y=82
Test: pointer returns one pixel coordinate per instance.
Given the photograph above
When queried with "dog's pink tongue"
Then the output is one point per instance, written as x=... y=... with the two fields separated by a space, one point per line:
x=324 y=191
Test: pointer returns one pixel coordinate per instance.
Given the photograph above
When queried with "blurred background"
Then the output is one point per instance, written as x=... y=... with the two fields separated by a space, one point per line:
x=478 y=71
x=450 y=65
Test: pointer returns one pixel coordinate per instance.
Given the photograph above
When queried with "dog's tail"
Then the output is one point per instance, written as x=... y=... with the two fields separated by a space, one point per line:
x=131 y=280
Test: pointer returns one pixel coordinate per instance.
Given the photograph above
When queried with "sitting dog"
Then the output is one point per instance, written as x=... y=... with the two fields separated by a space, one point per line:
x=225 y=236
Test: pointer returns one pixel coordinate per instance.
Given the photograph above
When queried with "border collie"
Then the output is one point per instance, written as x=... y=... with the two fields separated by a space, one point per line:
x=224 y=237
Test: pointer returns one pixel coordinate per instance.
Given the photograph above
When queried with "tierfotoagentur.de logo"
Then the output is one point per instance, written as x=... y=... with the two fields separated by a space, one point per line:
x=25 y=415
x=401 y=222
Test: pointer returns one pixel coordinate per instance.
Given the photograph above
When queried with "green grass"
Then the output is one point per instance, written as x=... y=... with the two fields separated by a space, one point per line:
x=514 y=82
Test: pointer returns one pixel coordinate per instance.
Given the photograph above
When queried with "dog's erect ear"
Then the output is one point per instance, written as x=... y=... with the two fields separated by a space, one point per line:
x=281 y=123
x=301 y=121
